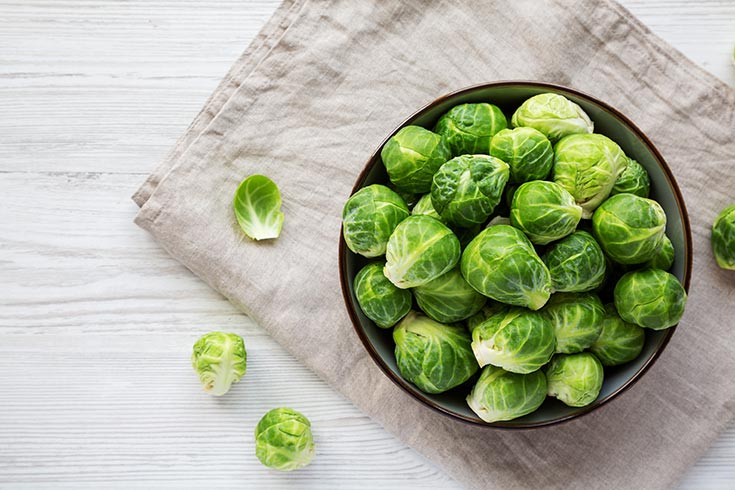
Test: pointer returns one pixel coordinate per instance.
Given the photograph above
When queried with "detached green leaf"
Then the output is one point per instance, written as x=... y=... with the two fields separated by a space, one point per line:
x=257 y=206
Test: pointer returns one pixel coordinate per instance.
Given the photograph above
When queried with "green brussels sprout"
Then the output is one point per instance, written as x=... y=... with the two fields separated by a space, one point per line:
x=544 y=211
x=515 y=339
x=257 y=207
x=527 y=152
x=633 y=180
x=467 y=188
x=574 y=379
x=469 y=128
x=620 y=341
x=283 y=440
x=448 y=298
x=420 y=249
x=219 y=359
x=433 y=356
x=424 y=208
x=630 y=229
x=499 y=395
x=485 y=312
x=379 y=299
x=587 y=165
x=723 y=238
x=576 y=263
x=664 y=258
x=502 y=264
x=369 y=217
x=412 y=156
x=651 y=298
x=554 y=115
x=577 y=320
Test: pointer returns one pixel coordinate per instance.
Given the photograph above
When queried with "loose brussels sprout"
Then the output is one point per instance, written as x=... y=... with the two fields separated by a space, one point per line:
x=499 y=395
x=664 y=258
x=577 y=320
x=369 y=217
x=554 y=115
x=257 y=206
x=433 y=356
x=587 y=165
x=545 y=211
x=469 y=127
x=515 y=339
x=448 y=298
x=424 y=208
x=723 y=238
x=527 y=152
x=379 y=299
x=219 y=359
x=633 y=180
x=467 y=188
x=502 y=264
x=575 y=379
x=576 y=263
x=412 y=156
x=620 y=341
x=283 y=440
x=651 y=298
x=420 y=249
x=630 y=229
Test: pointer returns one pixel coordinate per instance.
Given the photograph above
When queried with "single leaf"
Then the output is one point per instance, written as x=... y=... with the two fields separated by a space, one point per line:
x=257 y=206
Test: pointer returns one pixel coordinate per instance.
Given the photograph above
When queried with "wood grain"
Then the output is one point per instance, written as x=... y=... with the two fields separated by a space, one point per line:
x=97 y=322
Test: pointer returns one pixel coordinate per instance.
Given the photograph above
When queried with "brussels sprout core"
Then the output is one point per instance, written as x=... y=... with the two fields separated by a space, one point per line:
x=220 y=360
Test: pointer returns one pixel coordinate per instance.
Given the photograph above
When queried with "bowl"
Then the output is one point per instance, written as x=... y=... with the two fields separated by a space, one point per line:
x=508 y=95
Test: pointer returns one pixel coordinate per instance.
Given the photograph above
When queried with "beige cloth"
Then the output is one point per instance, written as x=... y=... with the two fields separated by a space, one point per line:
x=312 y=98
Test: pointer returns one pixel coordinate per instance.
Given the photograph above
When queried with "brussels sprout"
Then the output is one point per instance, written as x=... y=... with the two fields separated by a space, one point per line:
x=723 y=238
x=554 y=115
x=633 y=180
x=467 y=188
x=587 y=165
x=379 y=299
x=424 y=208
x=433 y=356
x=420 y=249
x=257 y=207
x=219 y=359
x=515 y=339
x=485 y=312
x=651 y=298
x=499 y=395
x=502 y=264
x=527 y=152
x=369 y=217
x=576 y=263
x=448 y=298
x=664 y=258
x=283 y=440
x=630 y=229
x=575 y=379
x=577 y=320
x=412 y=156
x=545 y=211
x=469 y=127
x=620 y=341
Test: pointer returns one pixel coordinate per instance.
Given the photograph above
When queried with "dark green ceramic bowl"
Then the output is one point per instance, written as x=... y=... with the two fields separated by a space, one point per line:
x=608 y=121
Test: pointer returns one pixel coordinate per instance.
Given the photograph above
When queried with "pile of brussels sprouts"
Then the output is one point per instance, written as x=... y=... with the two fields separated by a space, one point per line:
x=493 y=248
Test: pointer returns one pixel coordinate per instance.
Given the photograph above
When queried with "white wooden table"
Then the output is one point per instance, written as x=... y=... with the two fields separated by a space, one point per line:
x=97 y=322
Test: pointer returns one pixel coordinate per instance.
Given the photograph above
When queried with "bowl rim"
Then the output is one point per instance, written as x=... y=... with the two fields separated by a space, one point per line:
x=417 y=394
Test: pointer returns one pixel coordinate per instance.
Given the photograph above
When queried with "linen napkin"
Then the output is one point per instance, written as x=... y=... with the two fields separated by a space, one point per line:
x=307 y=104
